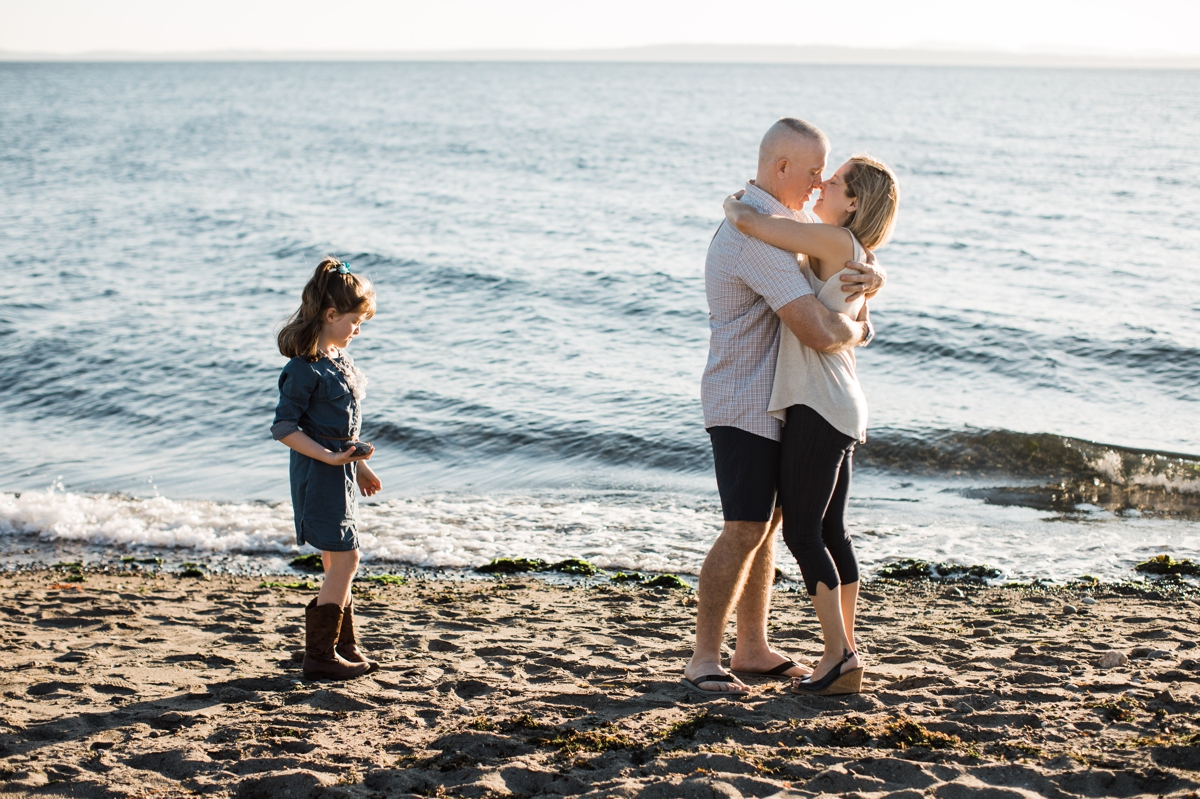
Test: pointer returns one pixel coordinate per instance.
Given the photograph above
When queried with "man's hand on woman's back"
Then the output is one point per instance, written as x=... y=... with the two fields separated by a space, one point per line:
x=868 y=278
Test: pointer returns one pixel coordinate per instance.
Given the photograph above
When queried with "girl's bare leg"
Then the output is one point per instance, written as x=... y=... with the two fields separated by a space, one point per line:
x=340 y=568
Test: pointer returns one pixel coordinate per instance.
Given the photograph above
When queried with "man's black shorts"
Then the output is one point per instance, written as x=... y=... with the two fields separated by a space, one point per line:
x=747 y=473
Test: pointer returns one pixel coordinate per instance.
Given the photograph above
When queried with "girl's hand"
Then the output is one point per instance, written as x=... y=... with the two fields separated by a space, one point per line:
x=346 y=456
x=300 y=442
x=738 y=212
x=368 y=482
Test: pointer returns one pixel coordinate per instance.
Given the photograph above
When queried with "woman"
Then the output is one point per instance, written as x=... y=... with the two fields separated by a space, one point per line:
x=818 y=397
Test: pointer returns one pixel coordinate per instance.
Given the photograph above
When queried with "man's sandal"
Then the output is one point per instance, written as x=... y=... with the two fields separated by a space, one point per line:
x=779 y=672
x=725 y=678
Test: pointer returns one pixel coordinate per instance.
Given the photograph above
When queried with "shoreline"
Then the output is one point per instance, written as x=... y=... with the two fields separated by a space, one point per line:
x=1180 y=580
x=652 y=531
x=140 y=684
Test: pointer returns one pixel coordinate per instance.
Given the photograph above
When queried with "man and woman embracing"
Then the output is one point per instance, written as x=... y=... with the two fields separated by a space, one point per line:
x=781 y=403
x=783 y=407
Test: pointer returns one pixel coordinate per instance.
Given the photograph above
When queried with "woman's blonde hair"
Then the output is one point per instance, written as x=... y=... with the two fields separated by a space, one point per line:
x=331 y=286
x=874 y=184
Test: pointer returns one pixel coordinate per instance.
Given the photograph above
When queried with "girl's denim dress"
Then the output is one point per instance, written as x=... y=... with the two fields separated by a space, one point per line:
x=315 y=397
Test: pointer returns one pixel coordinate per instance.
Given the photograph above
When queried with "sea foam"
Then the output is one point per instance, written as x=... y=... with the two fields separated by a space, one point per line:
x=127 y=522
x=442 y=531
x=616 y=530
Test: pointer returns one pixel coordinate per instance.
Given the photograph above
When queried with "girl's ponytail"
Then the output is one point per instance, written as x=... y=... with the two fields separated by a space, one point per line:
x=331 y=286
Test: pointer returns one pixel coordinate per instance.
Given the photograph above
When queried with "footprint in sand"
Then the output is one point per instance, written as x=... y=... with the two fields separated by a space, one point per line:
x=49 y=688
x=115 y=686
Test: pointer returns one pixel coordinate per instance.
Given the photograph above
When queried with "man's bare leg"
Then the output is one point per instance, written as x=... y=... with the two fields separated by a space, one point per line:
x=753 y=652
x=722 y=578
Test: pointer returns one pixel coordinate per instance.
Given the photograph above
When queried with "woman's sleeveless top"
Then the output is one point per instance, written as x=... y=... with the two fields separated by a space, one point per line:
x=825 y=383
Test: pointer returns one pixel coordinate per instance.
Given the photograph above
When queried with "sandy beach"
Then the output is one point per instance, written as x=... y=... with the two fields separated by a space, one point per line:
x=138 y=684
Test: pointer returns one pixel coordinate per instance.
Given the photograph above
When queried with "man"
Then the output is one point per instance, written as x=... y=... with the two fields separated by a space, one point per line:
x=751 y=288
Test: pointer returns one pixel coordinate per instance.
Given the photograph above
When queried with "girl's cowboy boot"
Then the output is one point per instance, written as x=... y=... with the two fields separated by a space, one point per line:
x=347 y=646
x=322 y=623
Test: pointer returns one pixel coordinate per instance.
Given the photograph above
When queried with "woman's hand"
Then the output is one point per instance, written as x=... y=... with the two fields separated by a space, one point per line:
x=368 y=482
x=737 y=212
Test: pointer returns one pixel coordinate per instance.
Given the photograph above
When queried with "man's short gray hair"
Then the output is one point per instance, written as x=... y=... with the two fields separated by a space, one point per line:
x=806 y=129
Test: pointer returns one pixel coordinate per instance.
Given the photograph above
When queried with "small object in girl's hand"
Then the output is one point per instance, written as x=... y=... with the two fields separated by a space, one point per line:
x=362 y=448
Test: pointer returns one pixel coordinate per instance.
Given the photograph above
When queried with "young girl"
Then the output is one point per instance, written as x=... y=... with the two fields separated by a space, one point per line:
x=319 y=418
x=818 y=397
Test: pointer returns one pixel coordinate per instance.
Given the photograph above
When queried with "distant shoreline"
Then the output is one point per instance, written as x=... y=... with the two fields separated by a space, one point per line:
x=656 y=54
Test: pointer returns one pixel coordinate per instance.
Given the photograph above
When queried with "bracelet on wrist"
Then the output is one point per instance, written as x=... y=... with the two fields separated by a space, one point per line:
x=870 y=333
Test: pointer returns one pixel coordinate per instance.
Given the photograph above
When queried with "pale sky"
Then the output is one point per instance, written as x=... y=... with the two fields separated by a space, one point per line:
x=180 y=26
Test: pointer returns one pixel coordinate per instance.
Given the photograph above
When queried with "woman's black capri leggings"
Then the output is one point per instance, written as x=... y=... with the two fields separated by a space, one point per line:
x=814 y=483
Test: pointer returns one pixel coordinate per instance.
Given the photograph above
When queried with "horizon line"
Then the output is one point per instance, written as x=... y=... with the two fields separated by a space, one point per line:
x=656 y=53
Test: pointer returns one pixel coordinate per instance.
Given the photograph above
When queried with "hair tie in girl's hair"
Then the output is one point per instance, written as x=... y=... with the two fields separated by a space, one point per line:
x=343 y=269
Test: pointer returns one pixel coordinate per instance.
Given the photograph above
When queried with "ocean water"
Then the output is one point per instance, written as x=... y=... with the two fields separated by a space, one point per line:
x=536 y=234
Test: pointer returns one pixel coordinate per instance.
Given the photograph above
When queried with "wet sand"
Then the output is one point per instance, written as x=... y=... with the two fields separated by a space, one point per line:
x=145 y=685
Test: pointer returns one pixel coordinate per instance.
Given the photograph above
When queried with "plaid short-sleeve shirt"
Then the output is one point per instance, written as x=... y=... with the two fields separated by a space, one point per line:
x=746 y=281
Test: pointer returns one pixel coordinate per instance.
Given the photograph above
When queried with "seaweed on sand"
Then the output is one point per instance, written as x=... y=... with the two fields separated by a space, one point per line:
x=513 y=566
x=666 y=581
x=308 y=563
x=628 y=577
x=74 y=571
x=899 y=732
x=524 y=721
x=953 y=571
x=907 y=569
x=577 y=566
x=193 y=570
x=580 y=567
x=904 y=732
x=646 y=581
x=914 y=569
x=298 y=585
x=687 y=728
x=1166 y=565
x=386 y=579
x=569 y=741
x=851 y=731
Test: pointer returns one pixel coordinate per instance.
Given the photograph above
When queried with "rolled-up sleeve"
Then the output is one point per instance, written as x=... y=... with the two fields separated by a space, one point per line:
x=296 y=386
x=772 y=273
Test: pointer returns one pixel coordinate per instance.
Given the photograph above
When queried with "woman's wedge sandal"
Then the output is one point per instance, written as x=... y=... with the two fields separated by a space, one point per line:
x=835 y=683
x=695 y=686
